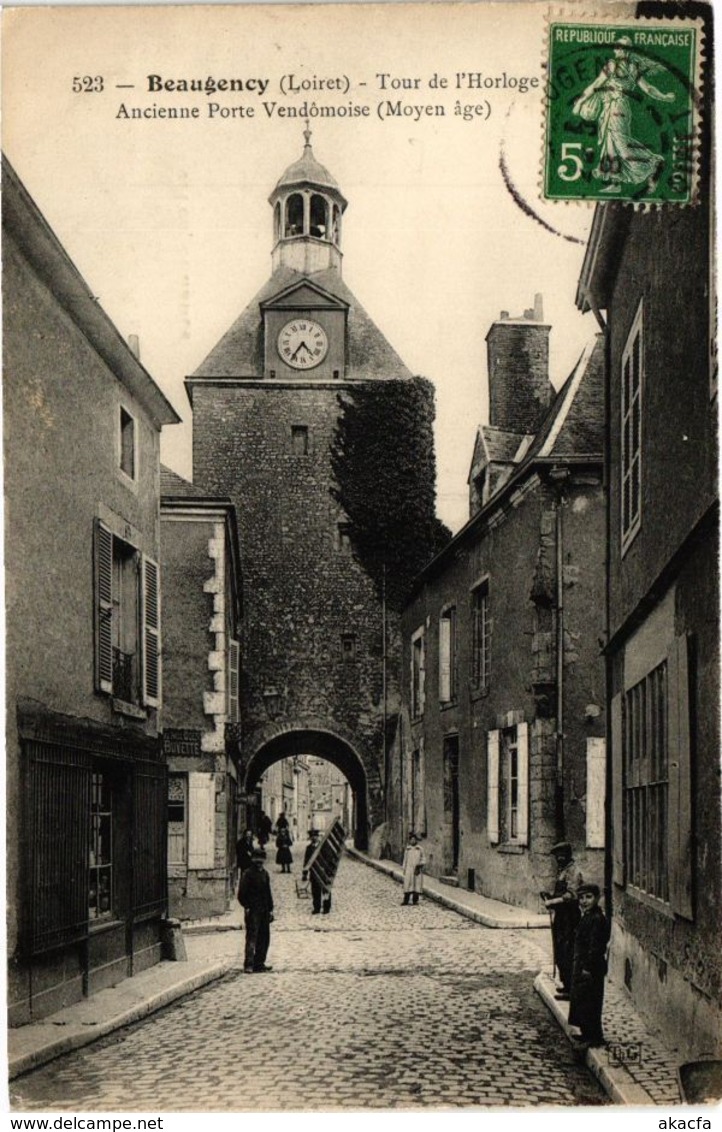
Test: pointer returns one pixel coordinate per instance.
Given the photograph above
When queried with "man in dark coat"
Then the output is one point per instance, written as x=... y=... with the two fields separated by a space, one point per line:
x=265 y=825
x=563 y=905
x=244 y=850
x=589 y=968
x=319 y=894
x=254 y=893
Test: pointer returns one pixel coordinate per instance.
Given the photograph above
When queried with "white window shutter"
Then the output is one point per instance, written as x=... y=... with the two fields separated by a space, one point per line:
x=151 y=632
x=679 y=840
x=201 y=820
x=596 y=791
x=492 y=786
x=103 y=608
x=444 y=659
x=522 y=746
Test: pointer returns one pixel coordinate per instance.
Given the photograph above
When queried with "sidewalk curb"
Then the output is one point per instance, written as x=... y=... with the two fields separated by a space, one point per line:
x=483 y=918
x=207 y=929
x=86 y=1034
x=619 y=1086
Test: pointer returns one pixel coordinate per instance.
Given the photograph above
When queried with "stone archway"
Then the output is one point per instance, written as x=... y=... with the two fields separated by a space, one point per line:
x=324 y=745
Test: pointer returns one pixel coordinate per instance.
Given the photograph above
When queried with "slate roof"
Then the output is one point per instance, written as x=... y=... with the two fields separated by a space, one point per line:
x=574 y=425
x=240 y=351
x=501 y=445
x=307 y=169
x=173 y=484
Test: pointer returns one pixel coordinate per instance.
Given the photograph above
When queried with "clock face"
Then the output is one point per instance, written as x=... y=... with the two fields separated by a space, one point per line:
x=302 y=343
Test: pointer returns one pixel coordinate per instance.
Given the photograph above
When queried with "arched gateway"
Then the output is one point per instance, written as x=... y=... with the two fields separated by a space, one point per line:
x=324 y=745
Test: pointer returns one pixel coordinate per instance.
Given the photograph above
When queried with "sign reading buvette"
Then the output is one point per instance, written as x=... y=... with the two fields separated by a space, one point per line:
x=621 y=111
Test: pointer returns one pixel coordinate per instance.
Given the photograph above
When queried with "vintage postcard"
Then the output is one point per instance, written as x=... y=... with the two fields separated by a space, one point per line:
x=361 y=522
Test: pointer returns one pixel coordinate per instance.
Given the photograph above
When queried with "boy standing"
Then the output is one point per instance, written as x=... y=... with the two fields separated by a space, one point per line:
x=589 y=968
x=254 y=893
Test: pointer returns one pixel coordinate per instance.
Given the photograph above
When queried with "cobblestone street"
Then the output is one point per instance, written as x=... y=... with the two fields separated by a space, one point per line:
x=375 y=1006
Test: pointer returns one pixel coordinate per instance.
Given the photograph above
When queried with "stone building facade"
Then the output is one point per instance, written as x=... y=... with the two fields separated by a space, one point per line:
x=85 y=778
x=500 y=748
x=662 y=651
x=201 y=720
x=321 y=652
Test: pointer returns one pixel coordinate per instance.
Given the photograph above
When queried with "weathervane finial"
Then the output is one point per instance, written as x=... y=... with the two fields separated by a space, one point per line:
x=307 y=134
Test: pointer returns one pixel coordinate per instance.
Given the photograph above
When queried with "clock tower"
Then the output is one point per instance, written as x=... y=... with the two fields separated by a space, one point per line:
x=320 y=647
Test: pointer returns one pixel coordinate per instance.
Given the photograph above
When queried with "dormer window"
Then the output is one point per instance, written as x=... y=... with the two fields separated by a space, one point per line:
x=294 y=216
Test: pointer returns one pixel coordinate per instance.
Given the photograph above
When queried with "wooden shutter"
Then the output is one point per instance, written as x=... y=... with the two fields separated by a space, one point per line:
x=150 y=839
x=595 y=792
x=522 y=748
x=233 y=666
x=201 y=820
x=444 y=659
x=679 y=820
x=151 y=633
x=618 y=871
x=492 y=786
x=103 y=547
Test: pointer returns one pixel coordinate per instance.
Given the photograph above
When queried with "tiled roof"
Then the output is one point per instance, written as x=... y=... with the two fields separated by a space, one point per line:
x=240 y=351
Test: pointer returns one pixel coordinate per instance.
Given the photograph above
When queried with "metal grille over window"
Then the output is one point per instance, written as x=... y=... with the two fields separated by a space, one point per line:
x=100 y=879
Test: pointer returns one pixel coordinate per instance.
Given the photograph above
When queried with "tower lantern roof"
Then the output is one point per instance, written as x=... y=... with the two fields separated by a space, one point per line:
x=308 y=171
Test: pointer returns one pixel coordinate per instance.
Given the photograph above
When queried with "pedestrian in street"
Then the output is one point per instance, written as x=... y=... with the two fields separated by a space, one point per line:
x=320 y=896
x=254 y=894
x=244 y=850
x=265 y=828
x=413 y=868
x=284 y=856
x=589 y=968
x=281 y=822
x=564 y=906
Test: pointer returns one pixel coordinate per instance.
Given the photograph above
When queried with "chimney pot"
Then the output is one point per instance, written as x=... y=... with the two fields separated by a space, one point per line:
x=134 y=345
x=539 y=307
x=503 y=315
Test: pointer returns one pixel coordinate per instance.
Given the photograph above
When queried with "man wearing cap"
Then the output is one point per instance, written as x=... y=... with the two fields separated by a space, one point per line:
x=589 y=968
x=254 y=893
x=563 y=905
x=318 y=893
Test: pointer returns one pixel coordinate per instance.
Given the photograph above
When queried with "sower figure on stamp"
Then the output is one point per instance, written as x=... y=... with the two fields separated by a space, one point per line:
x=590 y=968
x=563 y=904
x=254 y=893
x=413 y=869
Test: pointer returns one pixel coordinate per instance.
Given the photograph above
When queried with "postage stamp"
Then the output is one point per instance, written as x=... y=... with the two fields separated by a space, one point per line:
x=622 y=111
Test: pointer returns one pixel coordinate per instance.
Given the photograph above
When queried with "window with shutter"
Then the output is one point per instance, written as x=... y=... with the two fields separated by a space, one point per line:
x=595 y=792
x=522 y=800
x=151 y=633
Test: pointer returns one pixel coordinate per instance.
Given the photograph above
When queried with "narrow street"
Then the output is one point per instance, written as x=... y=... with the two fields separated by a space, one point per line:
x=374 y=1006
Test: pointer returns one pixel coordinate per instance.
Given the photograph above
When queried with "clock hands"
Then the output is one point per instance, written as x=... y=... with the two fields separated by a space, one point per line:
x=301 y=346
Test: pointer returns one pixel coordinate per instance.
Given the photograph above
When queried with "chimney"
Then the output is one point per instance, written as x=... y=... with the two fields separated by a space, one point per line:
x=134 y=345
x=518 y=362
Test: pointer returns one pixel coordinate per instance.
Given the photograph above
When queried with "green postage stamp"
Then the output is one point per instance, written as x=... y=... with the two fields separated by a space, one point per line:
x=622 y=111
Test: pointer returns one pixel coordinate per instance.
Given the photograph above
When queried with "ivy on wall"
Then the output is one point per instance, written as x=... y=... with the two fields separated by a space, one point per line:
x=384 y=466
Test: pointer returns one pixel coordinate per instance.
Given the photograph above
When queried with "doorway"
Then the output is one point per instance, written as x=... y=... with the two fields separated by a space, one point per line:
x=451 y=803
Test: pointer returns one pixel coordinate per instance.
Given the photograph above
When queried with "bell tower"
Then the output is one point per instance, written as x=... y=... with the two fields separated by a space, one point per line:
x=307 y=209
